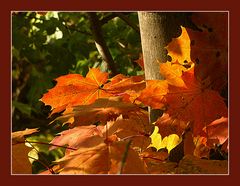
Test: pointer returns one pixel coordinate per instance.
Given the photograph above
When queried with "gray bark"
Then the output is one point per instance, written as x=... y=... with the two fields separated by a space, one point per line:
x=153 y=38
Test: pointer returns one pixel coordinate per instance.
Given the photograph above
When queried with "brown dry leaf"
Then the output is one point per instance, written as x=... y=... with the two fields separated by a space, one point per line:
x=193 y=165
x=102 y=159
x=20 y=162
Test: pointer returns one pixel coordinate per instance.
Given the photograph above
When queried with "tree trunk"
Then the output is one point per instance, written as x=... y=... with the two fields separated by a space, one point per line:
x=153 y=39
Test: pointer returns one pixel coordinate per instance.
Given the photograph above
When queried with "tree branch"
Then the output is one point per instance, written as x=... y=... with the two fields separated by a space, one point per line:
x=128 y=21
x=107 y=18
x=100 y=42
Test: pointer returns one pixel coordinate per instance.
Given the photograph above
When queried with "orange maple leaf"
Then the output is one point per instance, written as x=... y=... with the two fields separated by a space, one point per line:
x=206 y=47
x=195 y=102
x=73 y=89
x=173 y=73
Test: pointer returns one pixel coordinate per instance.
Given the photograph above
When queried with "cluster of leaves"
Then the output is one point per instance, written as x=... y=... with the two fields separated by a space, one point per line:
x=109 y=130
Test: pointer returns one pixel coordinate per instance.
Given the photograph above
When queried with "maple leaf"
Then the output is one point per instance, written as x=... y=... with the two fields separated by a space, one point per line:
x=104 y=109
x=173 y=73
x=195 y=102
x=210 y=48
x=73 y=89
x=156 y=90
x=154 y=93
x=127 y=87
x=80 y=136
x=135 y=128
x=207 y=48
x=121 y=83
x=102 y=159
x=210 y=57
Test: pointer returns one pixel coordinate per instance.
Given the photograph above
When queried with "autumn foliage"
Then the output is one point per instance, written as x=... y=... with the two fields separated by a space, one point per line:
x=109 y=130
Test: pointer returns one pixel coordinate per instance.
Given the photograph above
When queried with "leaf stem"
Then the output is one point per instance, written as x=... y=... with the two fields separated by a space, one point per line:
x=124 y=159
x=50 y=169
x=43 y=143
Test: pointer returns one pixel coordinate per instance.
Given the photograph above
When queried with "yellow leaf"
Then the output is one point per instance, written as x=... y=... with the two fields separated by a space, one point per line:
x=156 y=139
x=168 y=142
x=171 y=141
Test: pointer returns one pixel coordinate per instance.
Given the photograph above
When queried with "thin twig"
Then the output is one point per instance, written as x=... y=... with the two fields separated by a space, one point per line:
x=50 y=169
x=100 y=42
x=43 y=143
x=107 y=18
